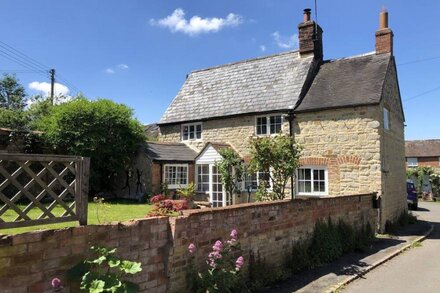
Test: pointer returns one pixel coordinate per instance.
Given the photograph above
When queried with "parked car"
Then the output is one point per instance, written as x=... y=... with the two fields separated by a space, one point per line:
x=411 y=195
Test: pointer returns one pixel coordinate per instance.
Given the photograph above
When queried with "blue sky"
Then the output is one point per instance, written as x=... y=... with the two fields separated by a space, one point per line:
x=130 y=52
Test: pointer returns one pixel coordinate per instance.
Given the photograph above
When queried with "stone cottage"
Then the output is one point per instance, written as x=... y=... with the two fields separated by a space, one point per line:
x=346 y=113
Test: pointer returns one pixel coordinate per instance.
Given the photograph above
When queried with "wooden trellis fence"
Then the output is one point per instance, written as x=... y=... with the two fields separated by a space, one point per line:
x=42 y=189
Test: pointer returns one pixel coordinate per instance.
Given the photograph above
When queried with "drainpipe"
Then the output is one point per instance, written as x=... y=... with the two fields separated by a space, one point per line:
x=290 y=117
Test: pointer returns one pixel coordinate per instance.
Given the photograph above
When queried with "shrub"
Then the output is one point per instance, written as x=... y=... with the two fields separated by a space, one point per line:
x=166 y=207
x=404 y=219
x=263 y=275
x=102 y=130
x=105 y=272
x=325 y=245
x=299 y=259
x=223 y=273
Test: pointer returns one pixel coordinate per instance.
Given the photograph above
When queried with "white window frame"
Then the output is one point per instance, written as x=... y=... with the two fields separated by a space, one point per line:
x=386 y=118
x=197 y=178
x=244 y=187
x=412 y=161
x=195 y=132
x=175 y=186
x=312 y=193
x=268 y=125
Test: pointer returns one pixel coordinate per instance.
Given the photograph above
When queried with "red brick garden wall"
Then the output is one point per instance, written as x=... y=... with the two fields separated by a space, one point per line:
x=29 y=261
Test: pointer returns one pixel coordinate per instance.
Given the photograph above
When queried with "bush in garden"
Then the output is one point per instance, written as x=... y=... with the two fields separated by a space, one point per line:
x=166 y=207
x=223 y=271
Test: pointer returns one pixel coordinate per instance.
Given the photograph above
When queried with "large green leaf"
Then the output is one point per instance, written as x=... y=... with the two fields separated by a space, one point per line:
x=97 y=286
x=130 y=267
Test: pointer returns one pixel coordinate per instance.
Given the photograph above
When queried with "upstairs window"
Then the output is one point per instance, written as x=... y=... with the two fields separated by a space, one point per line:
x=192 y=131
x=386 y=118
x=268 y=125
x=412 y=162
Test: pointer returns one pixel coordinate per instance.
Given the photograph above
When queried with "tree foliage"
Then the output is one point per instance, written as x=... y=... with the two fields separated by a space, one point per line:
x=278 y=157
x=102 y=130
x=231 y=170
x=12 y=93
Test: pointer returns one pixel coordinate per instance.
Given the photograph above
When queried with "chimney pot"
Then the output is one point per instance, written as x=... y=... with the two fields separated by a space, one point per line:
x=383 y=23
x=307 y=13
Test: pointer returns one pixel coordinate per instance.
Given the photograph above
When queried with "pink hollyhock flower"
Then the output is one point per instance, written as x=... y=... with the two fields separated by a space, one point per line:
x=192 y=248
x=218 y=246
x=56 y=283
x=239 y=263
x=234 y=234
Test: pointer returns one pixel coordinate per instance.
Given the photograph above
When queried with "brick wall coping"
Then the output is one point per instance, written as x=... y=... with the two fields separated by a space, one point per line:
x=187 y=213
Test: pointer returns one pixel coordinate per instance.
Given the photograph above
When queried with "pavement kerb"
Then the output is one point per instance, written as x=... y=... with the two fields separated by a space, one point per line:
x=379 y=262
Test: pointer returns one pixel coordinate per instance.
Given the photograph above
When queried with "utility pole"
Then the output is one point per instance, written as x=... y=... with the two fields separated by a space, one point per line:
x=52 y=84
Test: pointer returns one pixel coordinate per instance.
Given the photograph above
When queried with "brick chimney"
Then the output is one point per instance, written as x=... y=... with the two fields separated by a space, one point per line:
x=310 y=37
x=384 y=36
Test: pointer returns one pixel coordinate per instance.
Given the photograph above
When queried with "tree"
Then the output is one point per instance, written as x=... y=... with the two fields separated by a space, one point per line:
x=278 y=158
x=12 y=93
x=102 y=130
x=231 y=170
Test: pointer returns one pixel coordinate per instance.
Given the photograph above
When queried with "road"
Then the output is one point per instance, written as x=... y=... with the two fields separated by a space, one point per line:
x=416 y=270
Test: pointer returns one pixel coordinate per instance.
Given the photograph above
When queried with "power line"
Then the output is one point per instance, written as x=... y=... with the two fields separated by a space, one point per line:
x=24 y=56
x=418 y=61
x=422 y=94
x=30 y=64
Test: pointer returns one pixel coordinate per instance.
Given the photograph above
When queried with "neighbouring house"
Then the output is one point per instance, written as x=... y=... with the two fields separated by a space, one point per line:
x=346 y=113
x=424 y=153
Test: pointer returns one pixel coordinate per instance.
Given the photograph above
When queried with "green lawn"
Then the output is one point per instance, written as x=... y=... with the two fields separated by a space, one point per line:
x=121 y=210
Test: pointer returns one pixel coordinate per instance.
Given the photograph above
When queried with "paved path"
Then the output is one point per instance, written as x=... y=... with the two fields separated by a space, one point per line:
x=416 y=270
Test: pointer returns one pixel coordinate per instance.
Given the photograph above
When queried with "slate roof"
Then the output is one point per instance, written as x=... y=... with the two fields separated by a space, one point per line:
x=346 y=82
x=257 y=85
x=169 y=152
x=422 y=148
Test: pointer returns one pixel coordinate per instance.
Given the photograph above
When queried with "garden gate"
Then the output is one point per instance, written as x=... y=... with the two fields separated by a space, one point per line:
x=56 y=186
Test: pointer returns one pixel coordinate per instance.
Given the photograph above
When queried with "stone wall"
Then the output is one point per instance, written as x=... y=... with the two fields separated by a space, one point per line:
x=347 y=142
x=29 y=261
x=236 y=131
x=392 y=151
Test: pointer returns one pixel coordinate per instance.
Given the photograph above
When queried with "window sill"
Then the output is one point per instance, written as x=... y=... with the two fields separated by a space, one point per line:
x=176 y=186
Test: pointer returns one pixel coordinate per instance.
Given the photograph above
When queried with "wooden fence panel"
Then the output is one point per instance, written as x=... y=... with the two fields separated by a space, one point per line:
x=30 y=184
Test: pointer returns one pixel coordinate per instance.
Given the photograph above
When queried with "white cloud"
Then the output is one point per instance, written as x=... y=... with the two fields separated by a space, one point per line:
x=44 y=88
x=109 y=71
x=263 y=48
x=285 y=42
x=123 y=66
x=176 y=22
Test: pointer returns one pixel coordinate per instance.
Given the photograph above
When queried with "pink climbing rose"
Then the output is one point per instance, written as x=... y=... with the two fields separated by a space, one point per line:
x=234 y=234
x=192 y=248
x=239 y=263
x=218 y=246
x=56 y=283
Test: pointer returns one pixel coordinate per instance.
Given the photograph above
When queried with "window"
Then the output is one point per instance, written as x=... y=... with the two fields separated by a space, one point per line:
x=312 y=181
x=256 y=179
x=268 y=125
x=203 y=178
x=250 y=181
x=386 y=118
x=175 y=176
x=412 y=162
x=192 y=131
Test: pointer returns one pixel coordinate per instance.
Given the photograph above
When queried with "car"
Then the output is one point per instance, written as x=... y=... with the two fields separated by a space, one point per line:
x=411 y=195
